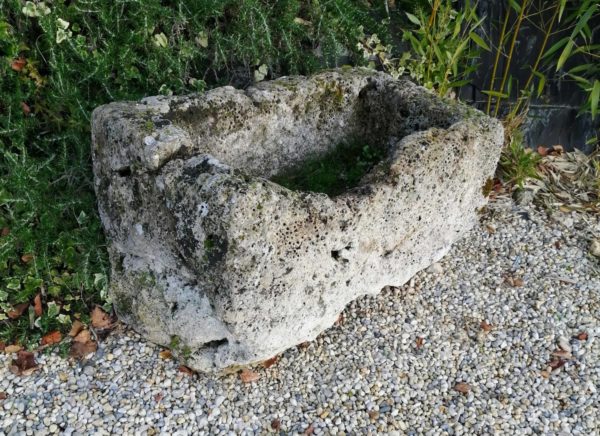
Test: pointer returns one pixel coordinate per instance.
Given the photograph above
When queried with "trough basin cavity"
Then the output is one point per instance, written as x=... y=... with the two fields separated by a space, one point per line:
x=242 y=222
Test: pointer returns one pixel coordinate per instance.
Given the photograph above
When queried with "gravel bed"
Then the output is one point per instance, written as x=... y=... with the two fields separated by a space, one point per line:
x=485 y=321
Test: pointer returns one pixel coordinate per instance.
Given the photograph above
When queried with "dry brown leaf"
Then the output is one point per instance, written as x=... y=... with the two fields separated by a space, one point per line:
x=419 y=342
x=76 y=328
x=518 y=282
x=249 y=376
x=26 y=258
x=545 y=374
x=82 y=337
x=270 y=362
x=2 y=346
x=79 y=350
x=186 y=370
x=582 y=336
x=485 y=326
x=51 y=338
x=37 y=305
x=309 y=430
x=556 y=363
x=373 y=414
x=25 y=107
x=461 y=387
x=5 y=231
x=18 y=64
x=158 y=397
x=12 y=349
x=3 y=395
x=100 y=319
x=165 y=354
x=303 y=345
x=542 y=151
x=24 y=364
x=339 y=320
x=563 y=354
x=276 y=424
x=18 y=310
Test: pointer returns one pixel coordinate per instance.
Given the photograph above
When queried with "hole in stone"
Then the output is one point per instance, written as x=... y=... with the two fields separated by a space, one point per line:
x=174 y=308
x=334 y=172
x=213 y=345
x=124 y=172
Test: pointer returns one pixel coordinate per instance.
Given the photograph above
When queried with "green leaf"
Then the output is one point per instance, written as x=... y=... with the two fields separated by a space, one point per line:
x=541 y=83
x=563 y=3
x=555 y=47
x=413 y=19
x=479 y=41
x=516 y=6
x=595 y=98
x=565 y=55
x=53 y=309
x=495 y=94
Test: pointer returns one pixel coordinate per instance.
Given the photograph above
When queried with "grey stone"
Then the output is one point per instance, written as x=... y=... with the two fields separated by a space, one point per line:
x=228 y=268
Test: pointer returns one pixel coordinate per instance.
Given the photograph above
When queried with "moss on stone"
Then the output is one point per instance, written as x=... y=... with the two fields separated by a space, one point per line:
x=335 y=172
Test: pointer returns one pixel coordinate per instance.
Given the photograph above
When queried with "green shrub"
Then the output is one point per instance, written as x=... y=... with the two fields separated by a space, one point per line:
x=60 y=59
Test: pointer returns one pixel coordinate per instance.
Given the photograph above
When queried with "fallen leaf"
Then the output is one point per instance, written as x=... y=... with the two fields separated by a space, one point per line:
x=270 y=362
x=3 y=395
x=556 y=363
x=2 y=346
x=76 y=328
x=186 y=370
x=463 y=388
x=158 y=397
x=563 y=354
x=339 y=320
x=83 y=337
x=18 y=64
x=53 y=337
x=545 y=374
x=100 y=319
x=25 y=107
x=419 y=342
x=373 y=414
x=79 y=350
x=12 y=349
x=518 y=282
x=276 y=424
x=542 y=151
x=24 y=364
x=309 y=430
x=17 y=311
x=485 y=326
x=5 y=231
x=557 y=245
x=37 y=305
x=26 y=258
x=303 y=345
x=249 y=376
x=582 y=336
x=165 y=354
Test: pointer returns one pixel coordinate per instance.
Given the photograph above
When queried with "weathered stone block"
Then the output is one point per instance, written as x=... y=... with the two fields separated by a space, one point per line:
x=229 y=268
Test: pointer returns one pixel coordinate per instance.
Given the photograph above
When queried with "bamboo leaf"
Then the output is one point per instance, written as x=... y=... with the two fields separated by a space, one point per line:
x=595 y=98
x=413 y=19
x=556 y=46
x=563 y=3
x=564 y=55
x=541 y=83
x=495 y=94
x=516 y=6
x=479 y=41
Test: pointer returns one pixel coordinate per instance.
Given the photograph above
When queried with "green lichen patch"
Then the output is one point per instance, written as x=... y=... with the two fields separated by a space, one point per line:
x=335 y=172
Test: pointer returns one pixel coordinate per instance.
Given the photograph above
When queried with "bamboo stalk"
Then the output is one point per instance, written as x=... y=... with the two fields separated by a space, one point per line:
x=497 y=60
x=539 y=57
x=510 y=53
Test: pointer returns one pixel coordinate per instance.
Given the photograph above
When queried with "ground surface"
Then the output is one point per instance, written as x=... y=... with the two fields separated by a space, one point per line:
x=393 y=365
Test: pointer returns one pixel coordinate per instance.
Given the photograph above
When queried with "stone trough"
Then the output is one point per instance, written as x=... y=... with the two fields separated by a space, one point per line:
x=212 y=257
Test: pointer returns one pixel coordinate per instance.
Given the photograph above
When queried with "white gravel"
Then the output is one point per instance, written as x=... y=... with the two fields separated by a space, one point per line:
x=368 y=375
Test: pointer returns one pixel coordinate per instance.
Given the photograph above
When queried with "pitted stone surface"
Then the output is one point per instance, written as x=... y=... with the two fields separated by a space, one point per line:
x=228 y=268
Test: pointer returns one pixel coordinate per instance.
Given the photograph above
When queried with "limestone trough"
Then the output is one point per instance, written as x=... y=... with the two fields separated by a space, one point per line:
x=214 y=256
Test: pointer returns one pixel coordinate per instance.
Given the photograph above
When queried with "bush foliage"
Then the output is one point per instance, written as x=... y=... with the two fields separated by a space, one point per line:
x=60 y=59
